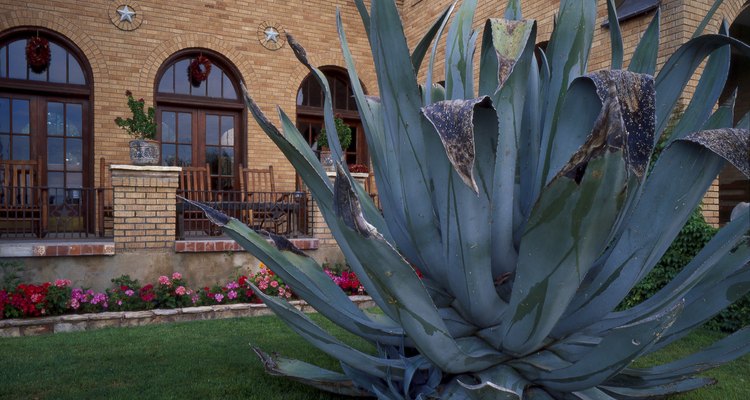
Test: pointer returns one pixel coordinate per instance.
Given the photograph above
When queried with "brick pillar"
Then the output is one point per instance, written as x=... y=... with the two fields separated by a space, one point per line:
x=710 y=206
x=320 y=228
x=144 y=207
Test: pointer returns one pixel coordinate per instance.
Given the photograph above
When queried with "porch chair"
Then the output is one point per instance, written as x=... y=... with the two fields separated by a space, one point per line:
x=23 y=200
x=264 y=208
x=195 y=184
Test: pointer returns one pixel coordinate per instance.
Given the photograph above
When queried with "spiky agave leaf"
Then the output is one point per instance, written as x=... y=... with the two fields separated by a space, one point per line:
x=528 y=209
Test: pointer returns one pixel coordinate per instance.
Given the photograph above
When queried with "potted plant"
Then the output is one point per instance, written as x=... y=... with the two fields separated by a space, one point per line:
x=144 y=150
x=345 y=138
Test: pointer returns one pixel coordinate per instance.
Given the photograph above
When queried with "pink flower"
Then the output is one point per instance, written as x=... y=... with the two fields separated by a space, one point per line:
x=281 y=291
x=180 y=290
x=129 y=292
x=232 y=285
x=263 y=286
x=195 y=298
x=219 y=297
x=62 y=282
x=74 y=304
x=232 y=294
x=274 y=284
x=288 y=294
x=176 y=275
x=164 y=280
x=119 y=302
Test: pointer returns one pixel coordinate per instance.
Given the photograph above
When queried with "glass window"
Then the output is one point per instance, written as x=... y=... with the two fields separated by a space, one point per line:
x=63 y=66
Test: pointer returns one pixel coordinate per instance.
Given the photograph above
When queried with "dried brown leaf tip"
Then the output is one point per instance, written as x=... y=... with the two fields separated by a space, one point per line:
x=347 y=207
x=454 y=122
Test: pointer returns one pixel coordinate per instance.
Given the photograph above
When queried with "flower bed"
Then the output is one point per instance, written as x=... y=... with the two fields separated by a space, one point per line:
x=168 y=292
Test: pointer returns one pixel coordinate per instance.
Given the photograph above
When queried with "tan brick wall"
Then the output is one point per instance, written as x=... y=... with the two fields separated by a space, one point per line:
x=123 y=60
x=144 y=207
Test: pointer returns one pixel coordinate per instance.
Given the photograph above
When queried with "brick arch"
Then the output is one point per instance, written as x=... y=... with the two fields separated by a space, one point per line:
x=729 y=10
x=75 y=33
x=165 y=49
x=330 y=58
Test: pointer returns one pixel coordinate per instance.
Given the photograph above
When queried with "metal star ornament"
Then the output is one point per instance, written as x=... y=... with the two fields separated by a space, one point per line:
x=272 y=34
x=126 y=14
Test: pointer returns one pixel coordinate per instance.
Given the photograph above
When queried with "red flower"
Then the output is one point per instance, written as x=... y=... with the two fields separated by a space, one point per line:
x=242 y=280
x=147 y=293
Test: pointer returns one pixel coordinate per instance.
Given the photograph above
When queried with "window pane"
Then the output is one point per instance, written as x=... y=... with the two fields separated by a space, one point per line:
x=17 y=59
x=55 y=119
x=226 y=161
x=75 y=73
x=181 y=82
x=4 y=147
x=314 y=94
x=214 y=83
x=55 y=154
x=41 y=76
x=229 y=91
x=185 y=128
x=167 y=127
x=4 y=114
x=74 y=127
x=166 y=84
x=212 y=158
x=185 y=155
x=199 y=90
x=57 y=66
x=74 y=180
x=340 y=100
x=74 y=155
x=168 y=154
x=20 y=149
x=227 y=131
x=3 y=61
x=20 y=116
x=56 y=180
x=212 y=129
x=300 y=97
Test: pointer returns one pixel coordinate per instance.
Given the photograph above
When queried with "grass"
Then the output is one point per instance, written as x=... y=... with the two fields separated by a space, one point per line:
x=212 y=359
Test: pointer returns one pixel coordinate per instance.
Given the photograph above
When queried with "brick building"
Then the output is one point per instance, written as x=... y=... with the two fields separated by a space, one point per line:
x=63 y=116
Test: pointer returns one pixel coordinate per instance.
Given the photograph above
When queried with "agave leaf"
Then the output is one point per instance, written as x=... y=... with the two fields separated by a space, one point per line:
x=592 y=394
x=725 y=350
x=513 y=10
x=707 y=93
x=507 y=51
x=568 y=52
x=325 y=342
x=707 y=18
x=364 y=15
x=458 y=82
x=646 y=53
x=333 y=140
x=680 y=67
x=723 y=117
x=309 y=374
x=465 y=229
x=617 y=349
x=570 y=224
x=406 y=295
x=731 y=144
x=615 y=36
x=429 y=85
x=501 y=383
x=718 y=259
x=420 y=50
x=530 y=140
x=688 y=170
x=744 y=122
x=673 y=387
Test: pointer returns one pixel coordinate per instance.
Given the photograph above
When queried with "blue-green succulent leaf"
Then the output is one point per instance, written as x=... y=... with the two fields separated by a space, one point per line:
x=657 y=391
x=417 y=55
x=647 y=51
x=458 y=82
x=513 y=10
x=309 y=374
x=497 y=383
x=615 y=36
x=707 y=18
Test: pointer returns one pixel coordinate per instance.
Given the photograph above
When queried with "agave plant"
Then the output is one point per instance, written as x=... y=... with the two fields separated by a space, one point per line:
x=530 y=206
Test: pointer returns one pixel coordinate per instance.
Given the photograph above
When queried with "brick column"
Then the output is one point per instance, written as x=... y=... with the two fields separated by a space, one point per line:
x=144 y=207
x=320 y=228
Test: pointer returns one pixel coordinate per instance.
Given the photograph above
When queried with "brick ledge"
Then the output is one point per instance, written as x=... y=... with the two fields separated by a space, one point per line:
x=215 y=245
x=83 y=322
x=56 y=249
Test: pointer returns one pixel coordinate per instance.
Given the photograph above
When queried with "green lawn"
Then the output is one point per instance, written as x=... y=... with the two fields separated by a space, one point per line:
x=208 y=359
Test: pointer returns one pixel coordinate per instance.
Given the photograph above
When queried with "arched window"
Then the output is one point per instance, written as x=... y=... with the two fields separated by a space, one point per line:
x=310 y=111
x=45 y=112
x=204 y=123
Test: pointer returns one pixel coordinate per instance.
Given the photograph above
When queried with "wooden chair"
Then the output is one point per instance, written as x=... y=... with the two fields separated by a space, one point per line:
x=23 y=200
x=195 y=184
x=105 y=199
x=264 y=206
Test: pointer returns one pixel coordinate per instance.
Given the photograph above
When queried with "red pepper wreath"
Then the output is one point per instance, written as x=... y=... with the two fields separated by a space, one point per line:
x=38 y=54
x=198 y=70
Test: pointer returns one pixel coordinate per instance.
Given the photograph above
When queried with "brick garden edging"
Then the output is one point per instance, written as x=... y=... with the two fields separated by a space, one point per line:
x=84 y=322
